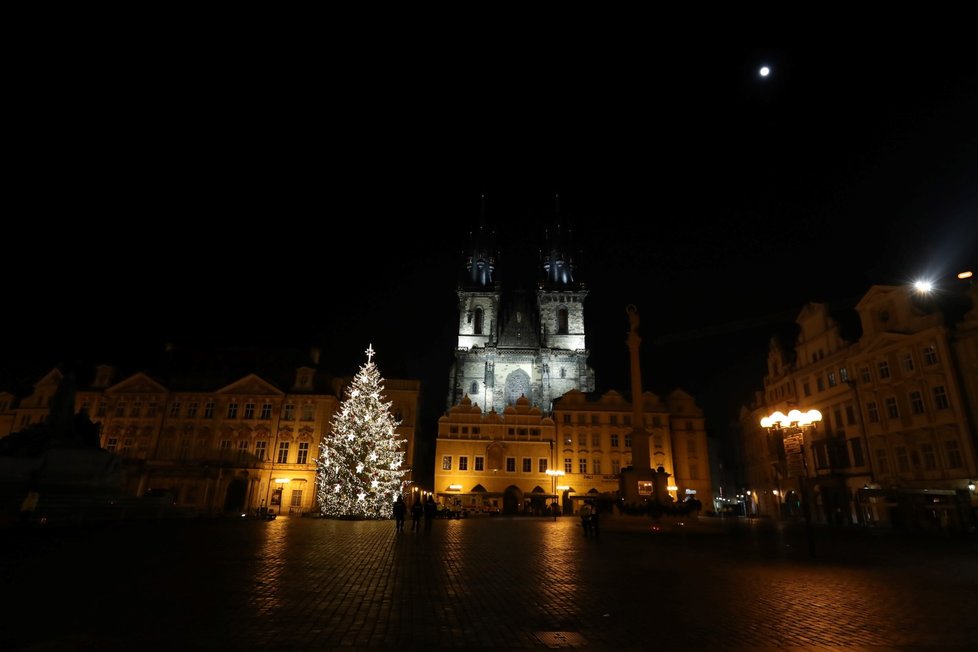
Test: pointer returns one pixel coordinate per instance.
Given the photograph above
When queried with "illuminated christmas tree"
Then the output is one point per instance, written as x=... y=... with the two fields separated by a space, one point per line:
x=360 y=462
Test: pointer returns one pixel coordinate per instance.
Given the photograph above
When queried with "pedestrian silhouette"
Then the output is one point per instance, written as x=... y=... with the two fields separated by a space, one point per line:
x=417 y=511
x=399 y=509
x=429 y=513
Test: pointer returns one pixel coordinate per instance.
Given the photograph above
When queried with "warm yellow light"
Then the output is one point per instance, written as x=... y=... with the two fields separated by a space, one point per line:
x=794 y=416
x=555 y=472
x=964 y=275
x=281 y=481
x=454 y=487
x=766 y=422
x=672 y=487
x=814 y=416
x=562 y=487
x=775 y=492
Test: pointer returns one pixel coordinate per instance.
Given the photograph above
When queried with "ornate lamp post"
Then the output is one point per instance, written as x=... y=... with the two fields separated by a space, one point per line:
x=792 y=427
x=554 y=474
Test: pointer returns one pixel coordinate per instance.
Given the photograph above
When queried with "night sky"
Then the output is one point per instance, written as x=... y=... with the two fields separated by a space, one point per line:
x=249 y=203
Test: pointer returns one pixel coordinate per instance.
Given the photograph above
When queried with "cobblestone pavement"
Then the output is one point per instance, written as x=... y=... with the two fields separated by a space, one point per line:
x=489 y=583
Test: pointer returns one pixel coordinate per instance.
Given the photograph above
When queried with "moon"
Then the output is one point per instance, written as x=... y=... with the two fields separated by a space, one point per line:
x=765 y=71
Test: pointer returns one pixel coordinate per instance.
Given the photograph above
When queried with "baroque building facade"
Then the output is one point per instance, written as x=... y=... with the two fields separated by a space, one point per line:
x=522 y=406
x=214 y=436
x=897 y=444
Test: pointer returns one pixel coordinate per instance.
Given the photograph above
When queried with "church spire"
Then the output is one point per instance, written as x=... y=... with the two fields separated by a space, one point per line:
x=558 y=260
x=480 y=262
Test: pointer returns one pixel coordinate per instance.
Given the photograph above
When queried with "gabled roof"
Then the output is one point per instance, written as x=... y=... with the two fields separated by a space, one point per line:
x=138 y=383
x=252 y=384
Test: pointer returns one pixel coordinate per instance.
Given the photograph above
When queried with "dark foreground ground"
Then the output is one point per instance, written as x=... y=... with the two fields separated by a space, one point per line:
x=498 y=583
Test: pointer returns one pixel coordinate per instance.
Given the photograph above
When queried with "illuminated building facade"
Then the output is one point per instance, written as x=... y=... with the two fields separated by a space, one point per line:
x=215 y=436
x=521 y=402
x=897 y=443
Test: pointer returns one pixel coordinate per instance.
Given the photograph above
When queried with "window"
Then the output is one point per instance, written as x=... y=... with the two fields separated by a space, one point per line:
x=283 y=452
x=297 y=498
x=303 y=455
x=233 y=410
x=930 y=355
x=511 y=464
x=242 y=448
x=568 y=465
x=209 y=410
x=567 y=419
x=563 y=373
x=892 y=411
x=174 y=409
x=479 y=316
x=542 y=465
x=192 y=410
x=907 y=362
x=806 y=388
x=657 y=421
x=954 y=460
x=582 y=419
x=628 y=441
x=101 y=409
x=446 y=463
x=902 y=459
x=474 y=389
x=137 y=409
x=820 y=384
x=288 y=412
x=308 y=412
x=940 y=398
x=850 y=415
x=844 y=375
x=527 y=465
x=596 y=466
x=595 y=420
x=864 y=375
x=582 y=438
x=628 y=420
x=151 y=409
x=463 y=463
x=613 y=419
x=225 y=444
x=480 y=463
x=120 y=409
x=884 y=368
x=857 y=452
x=562 y=321
x=261 y=447
x=111 y=444
x=657 y=442
x=831 y=379
x=916 y=403
x=930 y=456
x=249 y=411
x=882 y=465
x=266 y=411
x=582 y=465
x=691 y=447
x=615 y=467
x=872 y=412
x=596 y=440
x=614 y=440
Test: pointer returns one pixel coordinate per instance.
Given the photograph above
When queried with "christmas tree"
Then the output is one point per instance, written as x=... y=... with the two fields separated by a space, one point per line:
x=360 y=461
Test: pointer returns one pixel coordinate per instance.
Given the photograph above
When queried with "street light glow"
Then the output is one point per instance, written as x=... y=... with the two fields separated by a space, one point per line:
x=765 y=71
x=923 y=286
x=964 y=275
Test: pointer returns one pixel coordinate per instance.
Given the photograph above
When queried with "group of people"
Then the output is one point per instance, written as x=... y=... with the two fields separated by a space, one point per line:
x=419 y=510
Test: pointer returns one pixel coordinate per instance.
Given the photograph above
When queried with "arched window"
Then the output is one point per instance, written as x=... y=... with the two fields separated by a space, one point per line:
x=478 y=321
x=562 y=321
x=475 y=388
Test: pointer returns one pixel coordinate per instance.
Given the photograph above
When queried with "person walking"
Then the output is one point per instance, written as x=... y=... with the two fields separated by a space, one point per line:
x=417 y=511
x=429 y=513
x=585 y=514
x=399 y=510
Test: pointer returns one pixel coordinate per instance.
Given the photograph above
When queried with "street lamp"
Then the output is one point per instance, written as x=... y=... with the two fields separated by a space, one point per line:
x=791 y=427
x=554 y=474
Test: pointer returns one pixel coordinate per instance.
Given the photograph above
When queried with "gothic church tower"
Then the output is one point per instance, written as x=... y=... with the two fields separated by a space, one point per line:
x=512 y=343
